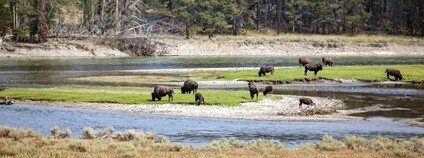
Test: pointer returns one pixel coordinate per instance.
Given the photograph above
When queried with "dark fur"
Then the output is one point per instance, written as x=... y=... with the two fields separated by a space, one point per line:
x=313 y=67
x=199 y=99
x=303 y=61
x=253 y=90
x=265 y=69
x=268 y=89
x=327 y=61
x=395 y=73
x=189 y=86
x=161 y=91
x=306 y=101
x=6 y=101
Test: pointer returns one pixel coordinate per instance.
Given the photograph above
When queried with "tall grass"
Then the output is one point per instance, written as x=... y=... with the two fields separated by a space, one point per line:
x=141 y=144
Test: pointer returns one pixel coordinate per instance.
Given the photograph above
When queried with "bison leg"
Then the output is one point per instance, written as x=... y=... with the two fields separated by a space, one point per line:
x=388 y=76
x=257 y=93
x=170 y=97
x=300 y=105
x=306 y=70
x=153 y=96
x=182 y=90
x=315 y=72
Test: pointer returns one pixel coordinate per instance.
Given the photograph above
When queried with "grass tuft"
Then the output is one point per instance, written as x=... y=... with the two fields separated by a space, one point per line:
x=57 y=133
x=328 y=143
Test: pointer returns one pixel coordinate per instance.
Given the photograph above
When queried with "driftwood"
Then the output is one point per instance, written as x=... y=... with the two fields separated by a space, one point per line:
x=6 y=101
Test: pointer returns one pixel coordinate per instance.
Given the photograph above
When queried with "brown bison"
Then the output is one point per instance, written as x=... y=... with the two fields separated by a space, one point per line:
x=303 y=61
x=253 y=90
x=306 y=101
x=189 y=86
x=268 y=89
x=265 y=69
x=395 y=73
x=327 y=61
x=161 y=91
x=6 y=101
x=199 y=99
x=313 y=67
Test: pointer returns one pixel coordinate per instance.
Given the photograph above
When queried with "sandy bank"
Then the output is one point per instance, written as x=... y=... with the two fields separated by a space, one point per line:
x=285 y=109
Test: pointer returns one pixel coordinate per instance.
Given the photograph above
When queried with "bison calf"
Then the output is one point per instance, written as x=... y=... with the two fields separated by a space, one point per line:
x=303 y=61
x=313 y=67
x=265 y=69
x=268 y=89
x=327 y=61
x=253 y=90
x=395 y=73
x=306 y=101
x=199 y=99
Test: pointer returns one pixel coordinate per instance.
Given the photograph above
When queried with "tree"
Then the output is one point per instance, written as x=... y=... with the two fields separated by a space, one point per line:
x=43 y=27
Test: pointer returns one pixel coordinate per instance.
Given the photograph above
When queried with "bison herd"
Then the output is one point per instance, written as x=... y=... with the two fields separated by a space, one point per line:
x=192 y=86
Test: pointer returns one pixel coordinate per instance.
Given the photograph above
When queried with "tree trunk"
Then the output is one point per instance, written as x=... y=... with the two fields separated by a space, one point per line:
x=117 y=17
x=43 y=27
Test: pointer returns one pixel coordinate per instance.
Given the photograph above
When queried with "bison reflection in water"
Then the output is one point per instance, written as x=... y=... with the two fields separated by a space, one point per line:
x=313 y=67
x=265 y=69
x=160 y=91
x=268 y=89
x=395 y=73
x=303 y=61
x=327 y=61
x=307 y=101
x=253 y=90
x=189 y=86
x=199 y=99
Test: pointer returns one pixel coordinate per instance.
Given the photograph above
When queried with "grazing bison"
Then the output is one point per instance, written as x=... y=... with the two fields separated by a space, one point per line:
x=161 y=91
x=253 y=90
x=313 y=67
x=306 y=101
x=265 y=69
x=189 y=86
x=327 y=61
x=303 y=61
x=268 y=89
x=395 y=73
x=199 y=99
x=6 y=101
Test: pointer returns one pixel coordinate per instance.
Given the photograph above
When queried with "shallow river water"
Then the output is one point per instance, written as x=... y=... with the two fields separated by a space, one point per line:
x=198 y=131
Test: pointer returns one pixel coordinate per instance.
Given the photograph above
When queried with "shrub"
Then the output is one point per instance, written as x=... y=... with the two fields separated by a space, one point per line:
x=356 y=143
x=261 y=144
x=224 y=144
x=57 y=133
x=89 y=133
x=17 y=134
x=328 y=143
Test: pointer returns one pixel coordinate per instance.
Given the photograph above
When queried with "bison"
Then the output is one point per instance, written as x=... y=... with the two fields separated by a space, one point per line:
x=303 y=61
x=313 y=67
x=395 y=73
x=189 y=86
x=199 y=99
x=327 y=61
x=265 y=69
x=306 y=101
x=268 y=89
x=253 y=90
x=160 y=91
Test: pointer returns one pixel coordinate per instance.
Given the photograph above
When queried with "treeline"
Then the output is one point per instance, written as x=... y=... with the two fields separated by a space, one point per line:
x=34 y=20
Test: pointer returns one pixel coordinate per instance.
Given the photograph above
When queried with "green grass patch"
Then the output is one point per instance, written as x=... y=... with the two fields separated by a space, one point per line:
x=411 y=73
x=124 y=95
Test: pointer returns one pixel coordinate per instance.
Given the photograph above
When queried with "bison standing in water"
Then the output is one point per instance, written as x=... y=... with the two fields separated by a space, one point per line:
x=199 y=99
x=313 y=67
x=307 y=101
x=268 y=89
x=253 y=90
x=161 y=91
x=395 y=73
x=189 y=86
x=265 y=69
x=327 y=61
x=303 y=61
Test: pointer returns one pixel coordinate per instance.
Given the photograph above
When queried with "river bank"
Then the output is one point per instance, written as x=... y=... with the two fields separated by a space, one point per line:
x=263 y=45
